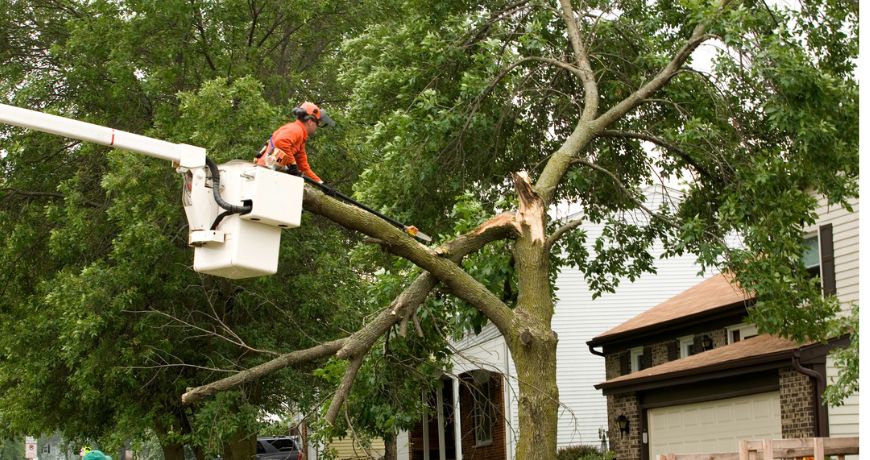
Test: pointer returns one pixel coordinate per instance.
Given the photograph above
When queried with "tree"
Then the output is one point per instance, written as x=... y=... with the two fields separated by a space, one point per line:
x=475 y=120
x=588 y=102
x=100 y=334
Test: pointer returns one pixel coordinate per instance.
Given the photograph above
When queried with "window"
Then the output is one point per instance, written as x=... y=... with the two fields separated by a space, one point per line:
x=812 y=258
x=640 y=358
x=481 y=392
x=637 y=359
x=740 y=332
x=686 y=348
x=819 y=257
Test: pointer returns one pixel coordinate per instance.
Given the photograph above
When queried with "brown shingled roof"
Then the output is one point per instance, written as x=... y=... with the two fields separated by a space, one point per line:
x=756 y=349
x=707 y=295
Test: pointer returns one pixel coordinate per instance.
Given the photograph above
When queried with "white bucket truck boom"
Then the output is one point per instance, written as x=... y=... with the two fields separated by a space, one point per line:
x=235 y=211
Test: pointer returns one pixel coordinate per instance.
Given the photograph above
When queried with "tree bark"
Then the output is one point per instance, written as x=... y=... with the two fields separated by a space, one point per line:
x=242 y=445
x=391 y=447
x=534 y=355
x=173 y=451
x=532 y=341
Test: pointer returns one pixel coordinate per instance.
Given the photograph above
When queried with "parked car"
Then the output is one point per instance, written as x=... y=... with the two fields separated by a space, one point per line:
x=278 y=448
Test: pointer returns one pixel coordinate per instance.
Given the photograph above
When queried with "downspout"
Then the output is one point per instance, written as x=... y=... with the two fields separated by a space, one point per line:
x=818 y=388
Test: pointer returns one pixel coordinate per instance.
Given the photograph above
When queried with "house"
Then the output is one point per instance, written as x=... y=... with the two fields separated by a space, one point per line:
x=689 y=376
x=481 y=386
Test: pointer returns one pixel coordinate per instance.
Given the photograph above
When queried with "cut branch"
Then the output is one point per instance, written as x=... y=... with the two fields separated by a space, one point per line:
x=343 y=389
x=398 y=242
x=301 y=356
x=358 y=344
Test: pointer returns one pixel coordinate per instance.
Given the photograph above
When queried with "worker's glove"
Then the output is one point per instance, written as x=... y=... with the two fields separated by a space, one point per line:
x=292 y=169
x=327 y=189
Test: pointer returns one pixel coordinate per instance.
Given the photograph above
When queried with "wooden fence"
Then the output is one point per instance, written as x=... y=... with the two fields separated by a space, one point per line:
x=803 y=448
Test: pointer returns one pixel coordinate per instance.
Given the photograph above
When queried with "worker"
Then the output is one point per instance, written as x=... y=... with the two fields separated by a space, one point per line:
x=285 y=149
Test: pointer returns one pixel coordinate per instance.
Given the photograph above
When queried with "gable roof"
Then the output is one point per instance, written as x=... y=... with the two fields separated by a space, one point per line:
x=759 y=350
x=708 y=295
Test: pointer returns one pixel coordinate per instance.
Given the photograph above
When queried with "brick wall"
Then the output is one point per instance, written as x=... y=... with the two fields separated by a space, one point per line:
x=797 y=403
x=659 y=352
x=628 y=447
x=611 y=365
x=624 y=446
x=496 y=449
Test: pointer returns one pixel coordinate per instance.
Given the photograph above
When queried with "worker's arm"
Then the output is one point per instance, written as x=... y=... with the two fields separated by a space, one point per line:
x=302 y=163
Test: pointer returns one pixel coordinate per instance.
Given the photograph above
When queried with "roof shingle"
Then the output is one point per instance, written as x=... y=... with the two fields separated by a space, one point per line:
x=712 y=293
x=727 y=356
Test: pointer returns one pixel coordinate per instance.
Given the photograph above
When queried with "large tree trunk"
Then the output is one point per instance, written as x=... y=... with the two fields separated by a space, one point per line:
x=391 y=447
x=241 y=446
x=539 y=397
x=173 y=451
x=531 y=338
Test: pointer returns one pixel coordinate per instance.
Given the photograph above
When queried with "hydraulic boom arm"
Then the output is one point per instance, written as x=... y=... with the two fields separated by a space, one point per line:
x=230 y=240
x=188 y=156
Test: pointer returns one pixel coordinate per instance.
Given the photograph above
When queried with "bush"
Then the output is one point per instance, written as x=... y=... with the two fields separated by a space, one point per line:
x=582 y=452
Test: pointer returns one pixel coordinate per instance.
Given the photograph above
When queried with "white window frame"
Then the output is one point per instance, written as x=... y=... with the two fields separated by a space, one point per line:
x=746 y=331
x=815 y=234
x=635 y=353
x=685 y=343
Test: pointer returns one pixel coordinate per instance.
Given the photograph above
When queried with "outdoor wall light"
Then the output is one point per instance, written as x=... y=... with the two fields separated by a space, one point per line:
x=707 y=342
x=622 y=423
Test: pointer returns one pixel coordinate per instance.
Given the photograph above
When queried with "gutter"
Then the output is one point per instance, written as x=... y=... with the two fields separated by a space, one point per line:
x=594 y=351
x=699 y=374
x=668 y=326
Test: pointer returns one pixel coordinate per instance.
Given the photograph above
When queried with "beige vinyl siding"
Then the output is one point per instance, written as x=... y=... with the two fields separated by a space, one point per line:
x=347 y=449
x=843 y=420
x=845 y=229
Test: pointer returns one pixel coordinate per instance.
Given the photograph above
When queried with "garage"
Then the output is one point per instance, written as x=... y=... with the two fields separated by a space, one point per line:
x=713 y=426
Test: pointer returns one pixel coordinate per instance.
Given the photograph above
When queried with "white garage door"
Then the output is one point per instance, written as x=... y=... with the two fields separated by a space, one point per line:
x=714 y=426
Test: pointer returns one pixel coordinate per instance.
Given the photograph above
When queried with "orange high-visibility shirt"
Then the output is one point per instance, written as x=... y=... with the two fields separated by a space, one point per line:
x=291 y=139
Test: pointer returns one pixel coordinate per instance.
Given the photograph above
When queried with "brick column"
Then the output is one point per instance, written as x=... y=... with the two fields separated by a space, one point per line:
x=796 y=400
x=625 y=446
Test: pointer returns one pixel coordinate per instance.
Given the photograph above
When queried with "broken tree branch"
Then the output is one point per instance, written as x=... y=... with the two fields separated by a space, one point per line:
x=343 y=389
x=301 y=356
x=398 y=242
x=358 y=344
